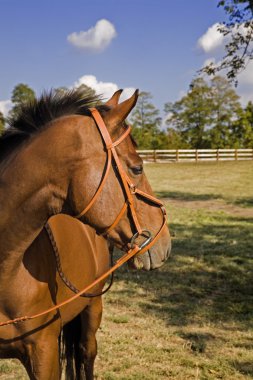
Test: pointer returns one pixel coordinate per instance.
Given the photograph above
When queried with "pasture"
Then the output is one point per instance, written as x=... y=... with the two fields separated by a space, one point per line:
x=192 y=319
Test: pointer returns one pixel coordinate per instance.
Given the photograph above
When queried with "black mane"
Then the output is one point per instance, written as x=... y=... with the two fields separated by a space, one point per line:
x=31 y=117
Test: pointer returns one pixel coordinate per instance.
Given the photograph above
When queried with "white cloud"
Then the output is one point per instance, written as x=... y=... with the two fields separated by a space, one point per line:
x=94 y=39
x=245 y=84
x=208 y=61
x=5 y=106
x=245 y=81
x=106 y=89
x=246 y=76
x=246 y=96
x=211 y=39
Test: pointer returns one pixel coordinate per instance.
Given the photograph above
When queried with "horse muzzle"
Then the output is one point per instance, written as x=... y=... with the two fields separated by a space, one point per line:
x=149 y=260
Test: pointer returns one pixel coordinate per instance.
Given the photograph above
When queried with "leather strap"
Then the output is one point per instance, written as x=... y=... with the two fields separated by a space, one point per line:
x=100 y=188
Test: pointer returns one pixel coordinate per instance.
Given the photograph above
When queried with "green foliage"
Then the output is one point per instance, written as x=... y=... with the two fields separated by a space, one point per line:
x=225 y=109
x=209 y=116
x=21 y=94
x=238 y=30
x=190 y=115
x=242 y=129
x=87 y=90
x=175 y=140
x=60 y=90
x=83 y=89
x=146 y=124
x=2 y=122
x=237 y=10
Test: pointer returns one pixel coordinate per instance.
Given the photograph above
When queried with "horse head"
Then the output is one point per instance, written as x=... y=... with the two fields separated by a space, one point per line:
x=109 y=189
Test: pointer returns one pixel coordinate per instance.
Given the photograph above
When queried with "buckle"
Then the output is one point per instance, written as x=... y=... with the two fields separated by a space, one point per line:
x=138 y=234
x=132 y=188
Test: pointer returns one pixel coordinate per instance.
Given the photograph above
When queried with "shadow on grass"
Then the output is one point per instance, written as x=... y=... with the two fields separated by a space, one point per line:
x=178 y=195
x=244 y=367
x=209 y=277
x=197 y=342
x=248 y=345
x=244 y=202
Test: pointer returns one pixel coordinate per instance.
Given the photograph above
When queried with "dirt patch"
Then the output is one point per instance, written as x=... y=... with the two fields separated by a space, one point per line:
x=212 y=205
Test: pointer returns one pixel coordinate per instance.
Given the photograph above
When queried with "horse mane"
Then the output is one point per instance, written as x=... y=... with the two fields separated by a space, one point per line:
x=31 y=117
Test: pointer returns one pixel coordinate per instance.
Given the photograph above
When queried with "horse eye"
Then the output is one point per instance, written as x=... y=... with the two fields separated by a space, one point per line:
x=137 y=169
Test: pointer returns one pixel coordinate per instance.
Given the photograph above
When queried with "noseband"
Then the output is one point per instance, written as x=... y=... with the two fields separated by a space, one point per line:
x=130 y=189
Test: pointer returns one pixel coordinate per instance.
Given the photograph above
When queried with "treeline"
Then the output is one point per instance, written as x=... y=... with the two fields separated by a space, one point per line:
x=210 y=115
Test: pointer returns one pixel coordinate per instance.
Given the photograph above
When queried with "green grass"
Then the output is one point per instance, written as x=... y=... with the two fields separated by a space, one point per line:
x=230 y=181
x=193 y=318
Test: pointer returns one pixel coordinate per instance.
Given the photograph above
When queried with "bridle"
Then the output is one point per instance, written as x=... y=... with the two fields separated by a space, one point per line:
x=130 y=191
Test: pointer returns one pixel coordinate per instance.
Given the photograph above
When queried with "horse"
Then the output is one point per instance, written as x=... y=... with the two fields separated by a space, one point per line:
x=65 y=153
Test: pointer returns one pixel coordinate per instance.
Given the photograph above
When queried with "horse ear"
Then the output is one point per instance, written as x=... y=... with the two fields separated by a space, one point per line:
x=119 y=113
x=114 y=100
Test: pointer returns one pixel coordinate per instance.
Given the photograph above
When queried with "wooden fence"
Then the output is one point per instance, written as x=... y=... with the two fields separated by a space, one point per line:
x=195 y=155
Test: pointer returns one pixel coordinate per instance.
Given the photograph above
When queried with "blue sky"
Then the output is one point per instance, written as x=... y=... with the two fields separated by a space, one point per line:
x=147 y=44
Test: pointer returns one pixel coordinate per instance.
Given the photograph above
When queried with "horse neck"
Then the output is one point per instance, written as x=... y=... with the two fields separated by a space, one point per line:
x=33 y=187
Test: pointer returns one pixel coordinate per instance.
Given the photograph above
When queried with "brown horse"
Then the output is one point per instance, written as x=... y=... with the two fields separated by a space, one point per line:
x=52 y=161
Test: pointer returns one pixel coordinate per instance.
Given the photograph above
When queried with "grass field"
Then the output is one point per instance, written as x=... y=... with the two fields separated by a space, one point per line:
x=192 y=319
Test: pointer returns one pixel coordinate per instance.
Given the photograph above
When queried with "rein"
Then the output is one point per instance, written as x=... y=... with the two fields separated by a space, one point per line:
x=130 y=190
x=62 y=275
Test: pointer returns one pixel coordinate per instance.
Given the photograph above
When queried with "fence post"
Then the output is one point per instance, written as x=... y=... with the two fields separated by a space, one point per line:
x=236 y=155
x=177 y=155
x=154 y=155
x=217 y=155
x=196 y=155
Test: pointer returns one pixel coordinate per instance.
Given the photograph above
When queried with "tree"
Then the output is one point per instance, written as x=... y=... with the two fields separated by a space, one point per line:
x=21 y=94
x=191 y=115
x=204 y=118
x=242 y=128
x=83 y=89
x=225 y=110
x=61 y=90
x=238 y=30
x=146 y=124
x=87 y=90
x=2 y=122
x=175 y=140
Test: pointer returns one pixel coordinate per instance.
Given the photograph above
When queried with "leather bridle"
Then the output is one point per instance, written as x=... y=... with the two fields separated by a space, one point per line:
x=129 y=188
x=130 y=191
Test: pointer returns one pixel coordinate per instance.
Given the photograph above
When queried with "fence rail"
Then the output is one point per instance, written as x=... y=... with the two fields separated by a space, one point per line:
x=185 y=155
